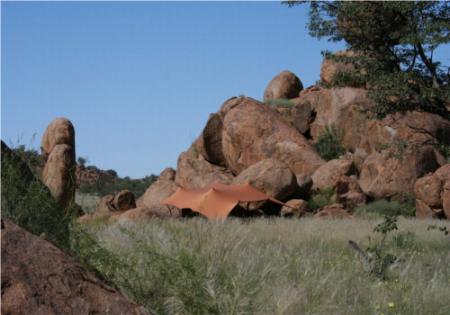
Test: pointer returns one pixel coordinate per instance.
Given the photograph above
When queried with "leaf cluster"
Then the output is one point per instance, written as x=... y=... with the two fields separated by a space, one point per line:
x=394 y=44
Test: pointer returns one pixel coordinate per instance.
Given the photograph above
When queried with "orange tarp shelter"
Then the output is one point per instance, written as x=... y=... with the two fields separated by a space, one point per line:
x=217 y=200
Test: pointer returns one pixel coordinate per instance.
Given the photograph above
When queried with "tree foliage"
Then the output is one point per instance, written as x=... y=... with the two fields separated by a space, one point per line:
x=394 y=42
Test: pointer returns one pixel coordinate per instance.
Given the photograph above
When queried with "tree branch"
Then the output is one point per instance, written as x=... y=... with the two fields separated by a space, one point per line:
x=431 y=67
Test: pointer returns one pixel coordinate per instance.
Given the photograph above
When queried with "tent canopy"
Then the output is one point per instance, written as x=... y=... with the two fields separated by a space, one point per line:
x=217 y=200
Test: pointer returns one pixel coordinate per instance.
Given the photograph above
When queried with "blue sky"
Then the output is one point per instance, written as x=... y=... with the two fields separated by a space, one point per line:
x=138 y=80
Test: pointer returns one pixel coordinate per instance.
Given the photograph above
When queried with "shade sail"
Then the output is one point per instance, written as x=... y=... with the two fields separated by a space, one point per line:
x=217 y=200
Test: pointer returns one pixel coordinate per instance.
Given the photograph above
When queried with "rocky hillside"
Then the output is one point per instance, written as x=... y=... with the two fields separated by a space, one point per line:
x=301 y=143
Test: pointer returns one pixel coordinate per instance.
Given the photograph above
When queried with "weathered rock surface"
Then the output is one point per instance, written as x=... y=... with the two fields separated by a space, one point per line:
x=167 y=174
x=105 y=205
x=412 y=128
x=59 y=131
x=392 y=173
x=432 y=198
x=297 y=208
x=59 y=174
x=38 y=278
x=273 y=177
x=252 y=132
x=149 y=204
x=124 y=200
x=429 y=189
x=58 y=150
x=423 y=211
x=209 y=143
x=285 y=85
x=330 y=68
x=195 y=172
x=446 y=198
x=157 y=192
x=328 y=175
x=345 y=109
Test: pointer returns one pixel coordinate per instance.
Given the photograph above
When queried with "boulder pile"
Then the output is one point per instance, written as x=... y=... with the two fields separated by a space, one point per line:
x=273 y=146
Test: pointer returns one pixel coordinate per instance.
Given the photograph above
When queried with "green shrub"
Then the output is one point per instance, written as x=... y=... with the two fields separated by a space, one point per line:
x=405 y=207
x=328 y=144
x=280 y=102
x=28 y=202
x=444 y=149
x=321 y=198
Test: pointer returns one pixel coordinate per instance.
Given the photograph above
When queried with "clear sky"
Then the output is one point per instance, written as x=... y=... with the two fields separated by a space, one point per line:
x=138 y=80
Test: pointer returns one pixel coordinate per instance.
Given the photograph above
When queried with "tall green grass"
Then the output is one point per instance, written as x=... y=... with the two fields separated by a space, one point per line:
x=28 y=202
x=270 y=266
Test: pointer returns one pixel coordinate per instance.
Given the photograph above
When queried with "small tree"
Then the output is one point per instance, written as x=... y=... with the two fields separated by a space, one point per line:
x=394 y=43
x=82 y=161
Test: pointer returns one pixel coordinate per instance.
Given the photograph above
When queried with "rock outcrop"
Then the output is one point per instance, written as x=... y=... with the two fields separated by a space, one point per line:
x=38 y=278
x=252 y=132
x=328 y=175
x=58 y=174
x=124 y=200
x=163 y=188
x=59 y=131
x=294 y=207
x=58 y=150
x=193 y=171
x=432 y=194
x=286 y=85
x=271 y=176
x=392 y=173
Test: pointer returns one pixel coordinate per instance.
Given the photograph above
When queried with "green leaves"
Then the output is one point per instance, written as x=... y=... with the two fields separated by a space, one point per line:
x=394 y=43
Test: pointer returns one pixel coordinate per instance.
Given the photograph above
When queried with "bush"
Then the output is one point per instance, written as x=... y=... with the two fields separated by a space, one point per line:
x=280 y=102
x=28 y=202
x=405 y=207
x=321 y=198
x=328 y=144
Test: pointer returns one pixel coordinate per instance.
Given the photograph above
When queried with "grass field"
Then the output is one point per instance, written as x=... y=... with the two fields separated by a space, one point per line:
x=272 y=266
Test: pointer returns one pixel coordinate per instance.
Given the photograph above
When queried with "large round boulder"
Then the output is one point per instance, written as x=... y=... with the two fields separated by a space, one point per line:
x=209 y=143
x=446 y=199
x=394 y=171
x=59 y=174
x=273 y=177
x=286 y=85
x=328 y=175
x=124 y=200
x=59 y=131
x=252 y=132
x=161 y=189
x=294 y=207
x=193 y=171
x=432 y=198
x=157 y=192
